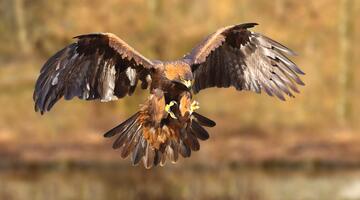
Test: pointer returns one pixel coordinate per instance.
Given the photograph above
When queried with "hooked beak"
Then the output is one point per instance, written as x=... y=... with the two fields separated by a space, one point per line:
x=187 y=83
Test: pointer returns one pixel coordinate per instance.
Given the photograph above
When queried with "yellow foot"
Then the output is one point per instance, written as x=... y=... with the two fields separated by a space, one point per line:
x=194 y=106
x=168 y=109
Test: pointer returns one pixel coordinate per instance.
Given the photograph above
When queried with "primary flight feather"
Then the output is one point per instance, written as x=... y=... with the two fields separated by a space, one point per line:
x=102 y=66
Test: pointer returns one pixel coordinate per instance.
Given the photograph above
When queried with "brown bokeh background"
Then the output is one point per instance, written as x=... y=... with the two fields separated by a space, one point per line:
x=317 y=130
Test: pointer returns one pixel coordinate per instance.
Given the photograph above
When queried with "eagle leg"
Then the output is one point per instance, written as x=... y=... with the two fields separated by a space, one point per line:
x=168 y=109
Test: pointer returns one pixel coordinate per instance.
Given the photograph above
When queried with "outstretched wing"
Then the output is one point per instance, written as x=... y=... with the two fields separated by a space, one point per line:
x=96 y=66
x=235 y=56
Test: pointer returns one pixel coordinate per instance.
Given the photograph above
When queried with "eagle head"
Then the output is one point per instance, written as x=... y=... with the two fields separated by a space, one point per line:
x=179 y=73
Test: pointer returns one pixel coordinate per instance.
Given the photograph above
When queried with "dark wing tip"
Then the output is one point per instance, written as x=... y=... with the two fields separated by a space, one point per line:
x=39 y=105
x=282 y=98
x=247 y=25
x=301 y=72
x=122 y=127
x=97 y=34
x=42 y=109
x=293 y=53
x=37 y=108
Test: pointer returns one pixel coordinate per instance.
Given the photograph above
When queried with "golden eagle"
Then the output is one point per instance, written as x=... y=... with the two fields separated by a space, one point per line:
x=102 y=66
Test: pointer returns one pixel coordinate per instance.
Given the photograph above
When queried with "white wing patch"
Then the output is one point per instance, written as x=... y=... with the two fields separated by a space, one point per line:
x=56 y=79
x=86 y=93
x=109 y=83
x=131 y=74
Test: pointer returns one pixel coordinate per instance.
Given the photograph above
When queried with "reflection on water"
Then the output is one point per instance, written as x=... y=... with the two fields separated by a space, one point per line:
x=176 y=183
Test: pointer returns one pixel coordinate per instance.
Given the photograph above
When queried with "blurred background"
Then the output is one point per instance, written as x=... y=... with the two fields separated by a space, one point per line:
x=261 y=148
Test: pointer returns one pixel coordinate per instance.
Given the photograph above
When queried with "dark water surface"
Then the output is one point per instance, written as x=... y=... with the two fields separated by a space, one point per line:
x=176 y=183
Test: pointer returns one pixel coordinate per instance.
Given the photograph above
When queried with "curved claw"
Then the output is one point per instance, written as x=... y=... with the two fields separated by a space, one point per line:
x=168 y=109
x=194 y=106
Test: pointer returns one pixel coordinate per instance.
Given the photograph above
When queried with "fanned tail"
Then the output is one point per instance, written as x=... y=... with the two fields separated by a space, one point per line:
x=131 y=140
x=129 y=135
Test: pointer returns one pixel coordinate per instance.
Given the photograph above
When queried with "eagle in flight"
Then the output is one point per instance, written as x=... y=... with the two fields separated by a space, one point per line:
x=102 y=66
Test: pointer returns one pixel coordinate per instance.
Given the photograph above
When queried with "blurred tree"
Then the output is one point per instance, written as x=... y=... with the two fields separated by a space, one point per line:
x=21 y=31
x=345 y=75
x=157 y=12
x=280 y=7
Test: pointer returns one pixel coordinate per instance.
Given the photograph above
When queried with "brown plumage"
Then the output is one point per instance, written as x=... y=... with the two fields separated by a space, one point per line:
x=102 y=66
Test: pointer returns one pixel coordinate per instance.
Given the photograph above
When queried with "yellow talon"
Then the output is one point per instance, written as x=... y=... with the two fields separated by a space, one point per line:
x=194 y=106
x=168 y=109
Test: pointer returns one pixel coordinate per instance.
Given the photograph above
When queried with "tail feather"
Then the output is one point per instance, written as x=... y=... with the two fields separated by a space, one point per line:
x=163 y=158
x=173 y=151
x=192 y=142
x=132 y=140
x=126 y=134
x=199 y=131
x=169 y=154
x=157 y=159
x=139 y=151
x=184 y=150
x=120 y=128
x=119 y=141
x=148 y=159
x=203 y=121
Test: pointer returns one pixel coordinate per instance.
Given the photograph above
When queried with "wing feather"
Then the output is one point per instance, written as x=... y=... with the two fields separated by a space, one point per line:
x=235 y=56
x=96 y=66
